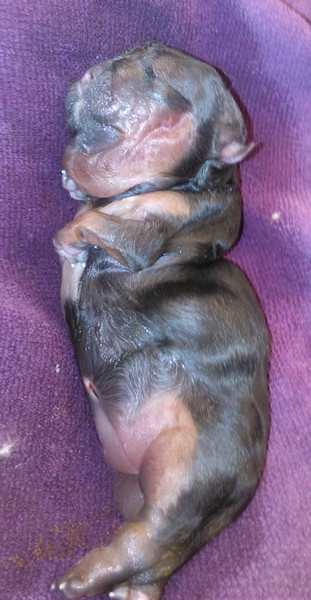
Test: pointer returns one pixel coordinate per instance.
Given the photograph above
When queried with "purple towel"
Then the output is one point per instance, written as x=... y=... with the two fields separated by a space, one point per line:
x=56 y=498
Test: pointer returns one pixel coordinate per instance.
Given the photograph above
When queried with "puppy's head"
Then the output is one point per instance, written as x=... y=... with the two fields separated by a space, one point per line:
x=152 y=116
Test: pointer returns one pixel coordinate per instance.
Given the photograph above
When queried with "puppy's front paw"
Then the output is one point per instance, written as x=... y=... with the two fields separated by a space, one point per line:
x=68 y=246
x=72 y=188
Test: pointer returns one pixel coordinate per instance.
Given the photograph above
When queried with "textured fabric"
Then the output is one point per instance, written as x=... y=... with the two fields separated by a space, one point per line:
x=56 y=497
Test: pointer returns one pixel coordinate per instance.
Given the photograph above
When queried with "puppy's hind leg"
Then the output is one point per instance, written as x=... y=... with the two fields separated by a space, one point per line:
x=141 y=556
x=128 y=497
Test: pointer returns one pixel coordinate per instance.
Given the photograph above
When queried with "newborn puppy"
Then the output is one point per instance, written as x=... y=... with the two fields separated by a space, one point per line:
x=171 y=343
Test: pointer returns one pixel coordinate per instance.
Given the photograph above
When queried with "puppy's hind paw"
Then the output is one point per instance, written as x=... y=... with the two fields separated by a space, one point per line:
x=61 y=587
x=126 y=593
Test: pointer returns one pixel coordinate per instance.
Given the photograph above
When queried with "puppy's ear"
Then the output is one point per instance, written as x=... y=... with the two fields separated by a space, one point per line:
x=230 y=145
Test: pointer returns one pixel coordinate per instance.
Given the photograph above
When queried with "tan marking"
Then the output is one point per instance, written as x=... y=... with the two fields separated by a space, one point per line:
x=141 y=206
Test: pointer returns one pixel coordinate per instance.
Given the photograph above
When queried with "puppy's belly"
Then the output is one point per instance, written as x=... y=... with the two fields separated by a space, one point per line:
x=115 y=449
x=128 y=434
